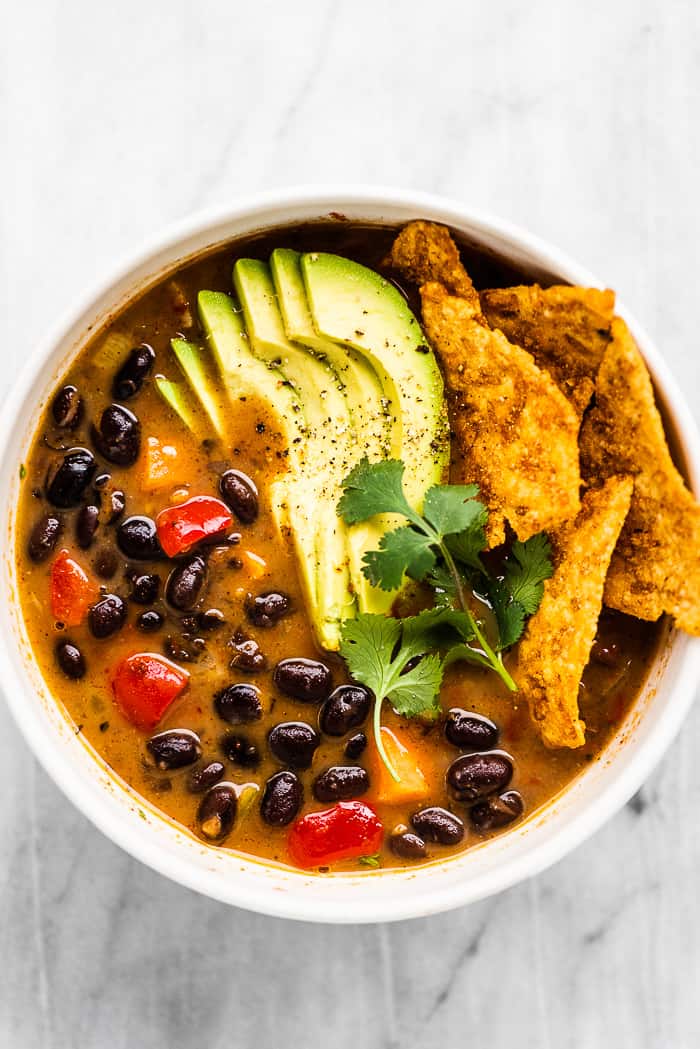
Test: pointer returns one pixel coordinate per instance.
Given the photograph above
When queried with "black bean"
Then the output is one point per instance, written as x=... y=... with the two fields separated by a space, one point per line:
x=341 y=783
x=129 y=379
x=174 y=749
x=86 y=525
x=281 y=799
x=407 y=845
x=70 y=660
x=186 y=583
x=149 y=621
x=66 y=483
x=183 y=649
x=346 y=708
x=101 y=481
x=67 y=408
x=107 y=616
x=145 y=587
x=118 y=436
x=267 y=609
x=205 y=777
x=439 y=825
x=355 y=746
x=217 y=812
x=492 y=813
x=606 y=652
x=211 y=619
x=238 y=704
x=240 y=750
x=240 y=495
x=44 y=536
x=293 y=743
x=304 y=679
x=247 y=654
x=470 y=731
x=106 y=563
x=137 y=538
x=475 y=776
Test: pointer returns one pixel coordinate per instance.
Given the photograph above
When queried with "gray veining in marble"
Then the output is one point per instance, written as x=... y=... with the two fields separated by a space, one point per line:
x=577 y=119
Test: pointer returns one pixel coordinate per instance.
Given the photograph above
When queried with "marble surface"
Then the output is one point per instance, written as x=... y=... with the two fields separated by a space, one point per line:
x=578 y=120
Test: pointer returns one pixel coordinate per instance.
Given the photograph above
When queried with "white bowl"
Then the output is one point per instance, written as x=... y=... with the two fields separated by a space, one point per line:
x=125 y=817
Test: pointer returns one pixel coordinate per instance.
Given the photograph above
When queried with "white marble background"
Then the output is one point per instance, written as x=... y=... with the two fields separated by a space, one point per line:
x=578 y=119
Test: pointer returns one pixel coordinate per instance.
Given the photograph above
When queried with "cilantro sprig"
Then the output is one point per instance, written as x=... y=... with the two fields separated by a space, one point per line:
x=403 y=660
x=398 y=660
x=450 y=528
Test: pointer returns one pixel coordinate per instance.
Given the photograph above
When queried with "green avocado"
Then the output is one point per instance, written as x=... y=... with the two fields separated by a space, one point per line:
x=357 y=307
x=328 y=453
x=177 y=399
x=192 y=361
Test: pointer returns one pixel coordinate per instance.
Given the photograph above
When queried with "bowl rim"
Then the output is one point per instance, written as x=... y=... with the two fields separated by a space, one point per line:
x=322 y=200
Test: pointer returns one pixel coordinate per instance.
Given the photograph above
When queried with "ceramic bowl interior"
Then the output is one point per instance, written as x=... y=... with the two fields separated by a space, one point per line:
x=368 y=896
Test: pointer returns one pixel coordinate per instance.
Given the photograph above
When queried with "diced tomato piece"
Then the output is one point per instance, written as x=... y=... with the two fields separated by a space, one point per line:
x=161 y=465
x=183 y=526
x=72 y=590
x=350 y=828
x=412 y=785
x=145 y=685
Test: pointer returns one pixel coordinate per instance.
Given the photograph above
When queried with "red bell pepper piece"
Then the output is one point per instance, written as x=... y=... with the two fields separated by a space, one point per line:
x=350 y=828
x=183 y=526
x=72 y=590
x=145 y=685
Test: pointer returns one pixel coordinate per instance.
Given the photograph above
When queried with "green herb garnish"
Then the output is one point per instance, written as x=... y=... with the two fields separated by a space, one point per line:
x=370 y=861
x=442 y=546
x=22 y=471
x=379 y=651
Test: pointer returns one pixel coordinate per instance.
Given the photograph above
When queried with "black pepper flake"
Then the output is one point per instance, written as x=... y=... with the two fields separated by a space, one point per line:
x=260 y=427
x=104 y=725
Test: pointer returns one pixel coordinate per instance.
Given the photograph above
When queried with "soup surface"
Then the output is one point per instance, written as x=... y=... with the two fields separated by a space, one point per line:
x=219 y=774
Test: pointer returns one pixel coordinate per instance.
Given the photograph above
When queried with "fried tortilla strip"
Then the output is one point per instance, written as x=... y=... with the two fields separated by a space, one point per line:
x=558 y=638
x=516 y=434
x=567 y=331
x=424 y=252
x=656 y=564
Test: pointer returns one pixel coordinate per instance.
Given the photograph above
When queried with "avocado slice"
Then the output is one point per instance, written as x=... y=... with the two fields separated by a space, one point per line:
x=177 y=399
x=330 y=441
x=192 y=362
x=357 y=307
x=365 y=397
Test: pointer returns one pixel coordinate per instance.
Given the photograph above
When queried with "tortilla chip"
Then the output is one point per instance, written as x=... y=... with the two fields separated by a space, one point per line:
x=424 y=252
x=558 y=639
x=567 y=331
x=515 y=432
x=656 y=564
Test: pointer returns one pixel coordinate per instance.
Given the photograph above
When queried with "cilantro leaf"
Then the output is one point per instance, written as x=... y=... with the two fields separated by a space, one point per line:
x=402 y=551
x=466 y=546
x=510 y=614
x=436 y=628
x=451 y=507
x=367 y=645
x=416 y=692
x=526 y=569
x=374 y=488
